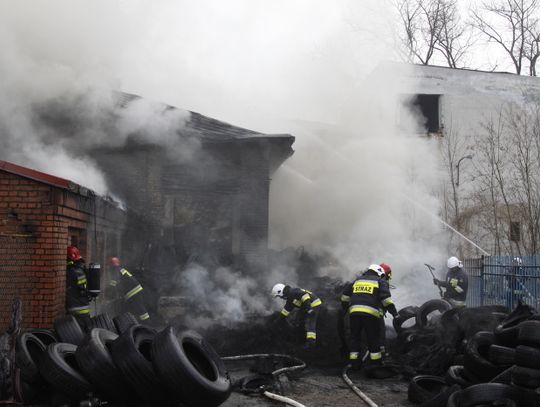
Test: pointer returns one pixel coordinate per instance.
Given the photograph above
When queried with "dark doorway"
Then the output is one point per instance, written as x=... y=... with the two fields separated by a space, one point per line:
x=428 y=105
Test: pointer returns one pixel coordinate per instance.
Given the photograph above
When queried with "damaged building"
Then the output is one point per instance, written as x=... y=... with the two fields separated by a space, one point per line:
x=210 y=208
x=209 y=205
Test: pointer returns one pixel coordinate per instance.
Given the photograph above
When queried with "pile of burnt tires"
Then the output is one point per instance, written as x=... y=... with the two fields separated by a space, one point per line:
x=499 y=367
x=120 y=363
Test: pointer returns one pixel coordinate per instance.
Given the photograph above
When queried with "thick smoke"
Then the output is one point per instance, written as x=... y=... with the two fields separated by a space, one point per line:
x=304 y=67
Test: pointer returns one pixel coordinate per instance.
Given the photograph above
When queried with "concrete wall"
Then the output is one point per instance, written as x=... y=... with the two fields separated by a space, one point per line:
x=470 y=100
x=469 y=97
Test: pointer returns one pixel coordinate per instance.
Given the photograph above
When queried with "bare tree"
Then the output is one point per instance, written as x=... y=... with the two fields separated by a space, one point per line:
x=491 y=162
x=507 y=190
x=430 y=27
x=453 y=149
x=454 y=40
x=513 y=25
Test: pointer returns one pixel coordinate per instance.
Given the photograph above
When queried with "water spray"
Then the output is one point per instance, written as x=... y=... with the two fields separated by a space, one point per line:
x=417 y=204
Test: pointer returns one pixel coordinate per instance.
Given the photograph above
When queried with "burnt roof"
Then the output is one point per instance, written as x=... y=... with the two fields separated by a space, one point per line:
x=207 y=128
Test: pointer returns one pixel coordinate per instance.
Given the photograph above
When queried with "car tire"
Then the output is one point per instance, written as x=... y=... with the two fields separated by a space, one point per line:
x=69 y=330
x=483 y=394
x=441 y=399
x=124 y=321
x=97 y=365
x=102 y=321
x=505 y=377
x=59 y=368
x=527 y=356
x=190 y=368
x=132 y=354
x=507 y=332
x=454 y=375
x=404 y=314
x=529 y=334
x=502 y=355
x=526 y=377
x=476 y=356
x=47 y=336
x=28 y=352
x=428 y=307
x=424 y=387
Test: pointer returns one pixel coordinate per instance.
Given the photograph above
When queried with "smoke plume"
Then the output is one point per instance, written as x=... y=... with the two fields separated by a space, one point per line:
x=311 y=68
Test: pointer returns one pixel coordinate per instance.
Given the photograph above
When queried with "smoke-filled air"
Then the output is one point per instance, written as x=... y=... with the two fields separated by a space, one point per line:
x=359 y=187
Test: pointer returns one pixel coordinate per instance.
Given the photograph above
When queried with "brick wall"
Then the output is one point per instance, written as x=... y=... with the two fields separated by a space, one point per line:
x=32 y=251
x=37 y=223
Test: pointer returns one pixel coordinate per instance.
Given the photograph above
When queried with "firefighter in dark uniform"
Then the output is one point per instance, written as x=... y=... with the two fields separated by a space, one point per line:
x=456 y=284
x=366 y=299
x=305 y=301
x=77 y=298
x=125 y=285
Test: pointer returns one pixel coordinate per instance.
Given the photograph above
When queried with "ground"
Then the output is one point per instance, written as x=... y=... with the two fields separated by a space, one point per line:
x=325 y=388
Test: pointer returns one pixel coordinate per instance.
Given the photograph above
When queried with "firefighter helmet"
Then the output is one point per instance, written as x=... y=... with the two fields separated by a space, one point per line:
x=377 y=269
x=454 y=262
x=387 y=270
x=73 y=253
x=114 y=261
x=277 y=290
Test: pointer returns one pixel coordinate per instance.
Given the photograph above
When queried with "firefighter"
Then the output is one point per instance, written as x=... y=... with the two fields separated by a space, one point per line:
x=456 y=284
x=305 y=301
x=387 y=275
x=77 y=298
x=125 y=285
x=366 y=299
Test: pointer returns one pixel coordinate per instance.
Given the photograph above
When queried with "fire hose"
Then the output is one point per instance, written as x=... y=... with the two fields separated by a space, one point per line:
x=298 y=366
x=355 y=389
x=283 y=399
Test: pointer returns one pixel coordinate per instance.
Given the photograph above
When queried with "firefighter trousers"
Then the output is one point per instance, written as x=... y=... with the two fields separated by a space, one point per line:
x=136 y=306
x=310 y=323
x=361 y=322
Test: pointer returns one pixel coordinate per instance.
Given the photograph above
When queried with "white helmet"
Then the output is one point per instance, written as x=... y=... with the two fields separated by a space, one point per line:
x=277 y=290
x=516 y=261
x=377 y=269
x=454 y=262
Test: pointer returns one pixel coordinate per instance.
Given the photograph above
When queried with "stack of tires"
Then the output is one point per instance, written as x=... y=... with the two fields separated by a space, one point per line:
x=120 y=362
x=499 y=366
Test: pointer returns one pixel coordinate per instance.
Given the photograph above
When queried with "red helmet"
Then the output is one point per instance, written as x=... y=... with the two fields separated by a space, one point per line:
x=114 y=261
x=387 y=270
x=73 y=253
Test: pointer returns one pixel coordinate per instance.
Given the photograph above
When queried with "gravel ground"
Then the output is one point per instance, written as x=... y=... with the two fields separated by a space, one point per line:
x=326 y=388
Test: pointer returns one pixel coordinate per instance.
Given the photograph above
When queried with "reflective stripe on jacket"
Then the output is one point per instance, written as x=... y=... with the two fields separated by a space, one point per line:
x=300 y=298
x=369 y=294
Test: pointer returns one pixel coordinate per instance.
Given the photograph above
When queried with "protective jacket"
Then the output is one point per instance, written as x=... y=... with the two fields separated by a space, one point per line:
x=299 y=298
x=368 y=294
x=127 y=286
x=77 y=298
x=456 y=284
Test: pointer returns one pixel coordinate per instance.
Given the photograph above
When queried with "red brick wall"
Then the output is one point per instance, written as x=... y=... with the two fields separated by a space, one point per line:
x=32 y=252
x=37 y=223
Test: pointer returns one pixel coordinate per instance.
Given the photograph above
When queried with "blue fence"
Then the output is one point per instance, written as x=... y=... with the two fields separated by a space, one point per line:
x=500 y=280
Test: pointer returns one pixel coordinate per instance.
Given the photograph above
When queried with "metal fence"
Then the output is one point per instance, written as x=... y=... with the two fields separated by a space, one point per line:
x=501 y=280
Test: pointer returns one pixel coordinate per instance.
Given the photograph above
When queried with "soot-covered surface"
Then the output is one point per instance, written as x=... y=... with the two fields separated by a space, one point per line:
x=316 y=387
